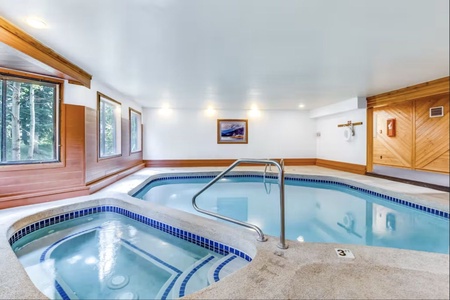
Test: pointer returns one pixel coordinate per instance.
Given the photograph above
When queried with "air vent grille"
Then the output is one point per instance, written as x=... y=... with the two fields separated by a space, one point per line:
x=437 y=111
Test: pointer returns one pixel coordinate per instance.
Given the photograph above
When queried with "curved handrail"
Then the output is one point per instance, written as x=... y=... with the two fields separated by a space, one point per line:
x=261 y=236
x=268 y=190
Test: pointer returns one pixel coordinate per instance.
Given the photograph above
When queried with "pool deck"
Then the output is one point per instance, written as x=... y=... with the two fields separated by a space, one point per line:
x=303 y=271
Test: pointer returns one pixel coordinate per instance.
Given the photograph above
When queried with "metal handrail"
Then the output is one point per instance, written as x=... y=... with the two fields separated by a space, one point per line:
x=261 y=236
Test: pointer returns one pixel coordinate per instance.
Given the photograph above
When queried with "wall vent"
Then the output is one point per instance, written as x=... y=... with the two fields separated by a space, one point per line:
x=437 y=111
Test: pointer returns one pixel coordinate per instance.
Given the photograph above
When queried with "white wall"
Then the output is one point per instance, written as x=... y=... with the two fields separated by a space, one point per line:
x=79 y=95
x=191 y=134
x=331 y=144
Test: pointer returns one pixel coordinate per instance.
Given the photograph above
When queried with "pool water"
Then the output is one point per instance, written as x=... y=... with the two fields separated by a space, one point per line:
x=315 y=212
x=109 y=256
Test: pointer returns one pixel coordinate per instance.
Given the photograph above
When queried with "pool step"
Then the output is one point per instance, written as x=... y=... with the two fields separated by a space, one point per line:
x=224 y=267
x=194 y=278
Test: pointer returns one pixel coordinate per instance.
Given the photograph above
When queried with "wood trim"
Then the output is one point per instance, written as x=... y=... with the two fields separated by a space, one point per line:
x=59 y=102
x=192 y=163
x=342 y=166
x=99 y=99
x=298 y=161
x=16 y=73
x=430 y=88
x=42 y=196
x=369 y=149
x=130 y=111
x=31 y=166
x=23 y=42
x=104 y=182
x=413 y=137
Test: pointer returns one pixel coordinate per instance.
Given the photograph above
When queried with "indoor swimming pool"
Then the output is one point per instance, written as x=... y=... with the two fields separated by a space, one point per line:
x=317 y=210
x=108 y=252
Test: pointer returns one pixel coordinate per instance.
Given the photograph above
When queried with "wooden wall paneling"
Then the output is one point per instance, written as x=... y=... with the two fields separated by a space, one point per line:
x=100 y=169
x=369 y=149
x=44 y=184
x=432 y=135
x=430 y=88
x=428 y=138
x=393 y=151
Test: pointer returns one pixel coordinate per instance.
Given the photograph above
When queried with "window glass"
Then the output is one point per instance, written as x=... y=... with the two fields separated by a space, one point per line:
x=135 y=131
x=109 y=127
x=29 y=122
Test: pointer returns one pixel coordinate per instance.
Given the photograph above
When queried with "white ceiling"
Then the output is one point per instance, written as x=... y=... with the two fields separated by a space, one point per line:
x=235 y=53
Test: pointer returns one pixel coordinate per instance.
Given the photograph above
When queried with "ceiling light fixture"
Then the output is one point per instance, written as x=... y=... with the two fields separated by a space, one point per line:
x=36 y=23
x=165 y=110
x=254 y=112
x=210 y=111
x=301 y=105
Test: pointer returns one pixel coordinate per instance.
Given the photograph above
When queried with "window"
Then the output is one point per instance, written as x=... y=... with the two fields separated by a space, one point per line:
x=109 y=127
x=29 y=124
x=135 y=131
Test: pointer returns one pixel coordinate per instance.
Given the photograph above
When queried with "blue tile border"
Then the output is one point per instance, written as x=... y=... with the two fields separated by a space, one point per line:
x=169 y=288
x=412 y=205
x=220 y=267
x=44 y=253
x=177 y=232
x=169 y=266
x=191 y=273
x=61 y=291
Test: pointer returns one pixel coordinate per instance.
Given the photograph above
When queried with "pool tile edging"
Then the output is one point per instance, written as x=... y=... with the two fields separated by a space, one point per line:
x=177 y=232
x=412 y=205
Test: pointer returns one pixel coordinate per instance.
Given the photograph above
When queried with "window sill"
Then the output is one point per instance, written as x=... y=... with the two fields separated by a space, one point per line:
x=37 y=166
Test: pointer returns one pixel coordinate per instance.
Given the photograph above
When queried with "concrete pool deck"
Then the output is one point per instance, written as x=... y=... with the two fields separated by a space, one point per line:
x=303 y=271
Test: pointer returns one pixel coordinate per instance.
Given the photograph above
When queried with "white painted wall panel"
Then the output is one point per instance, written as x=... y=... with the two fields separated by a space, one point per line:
x=190 y=134
x=331 y=144
x=79 y=95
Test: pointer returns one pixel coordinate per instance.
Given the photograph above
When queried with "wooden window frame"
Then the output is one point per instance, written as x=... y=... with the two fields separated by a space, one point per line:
x=118 y=129
x=59 y=122
x=130 y=112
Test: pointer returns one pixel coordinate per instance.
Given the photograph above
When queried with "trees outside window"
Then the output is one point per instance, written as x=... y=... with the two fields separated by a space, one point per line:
x=29 y=121
x=135 y=131
x=109 y=126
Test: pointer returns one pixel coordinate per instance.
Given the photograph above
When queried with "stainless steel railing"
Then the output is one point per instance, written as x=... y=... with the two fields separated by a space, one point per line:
x=282 y=244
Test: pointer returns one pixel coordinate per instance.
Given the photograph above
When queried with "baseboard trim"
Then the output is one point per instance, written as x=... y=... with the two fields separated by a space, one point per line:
x=105 y=181
x=341 y=166
x=185 y=163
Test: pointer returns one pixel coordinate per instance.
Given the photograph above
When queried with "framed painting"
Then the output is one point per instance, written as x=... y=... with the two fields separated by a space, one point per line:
x=232 y=131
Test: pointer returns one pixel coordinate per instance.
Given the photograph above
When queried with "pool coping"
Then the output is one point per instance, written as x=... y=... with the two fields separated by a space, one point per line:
x=305 y=270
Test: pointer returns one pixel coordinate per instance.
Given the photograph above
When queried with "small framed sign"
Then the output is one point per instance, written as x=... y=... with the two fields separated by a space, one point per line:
x=390 y=127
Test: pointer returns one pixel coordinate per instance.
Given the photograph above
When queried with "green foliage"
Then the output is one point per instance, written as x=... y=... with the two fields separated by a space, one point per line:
x=108 y=129
x=45 y=120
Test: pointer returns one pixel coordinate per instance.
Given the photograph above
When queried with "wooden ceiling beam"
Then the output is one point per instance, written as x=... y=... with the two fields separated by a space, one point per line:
x=23 y=42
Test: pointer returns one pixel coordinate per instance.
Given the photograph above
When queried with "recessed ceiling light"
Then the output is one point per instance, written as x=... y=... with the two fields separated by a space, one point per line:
x=301 y=105
x=210 y=111
x=36 y=22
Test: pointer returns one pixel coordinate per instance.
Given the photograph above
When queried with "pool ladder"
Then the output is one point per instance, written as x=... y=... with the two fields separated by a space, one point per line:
x=282 y=244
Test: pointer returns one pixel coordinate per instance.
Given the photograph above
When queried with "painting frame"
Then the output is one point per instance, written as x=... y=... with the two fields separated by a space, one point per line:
x=232 y=131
